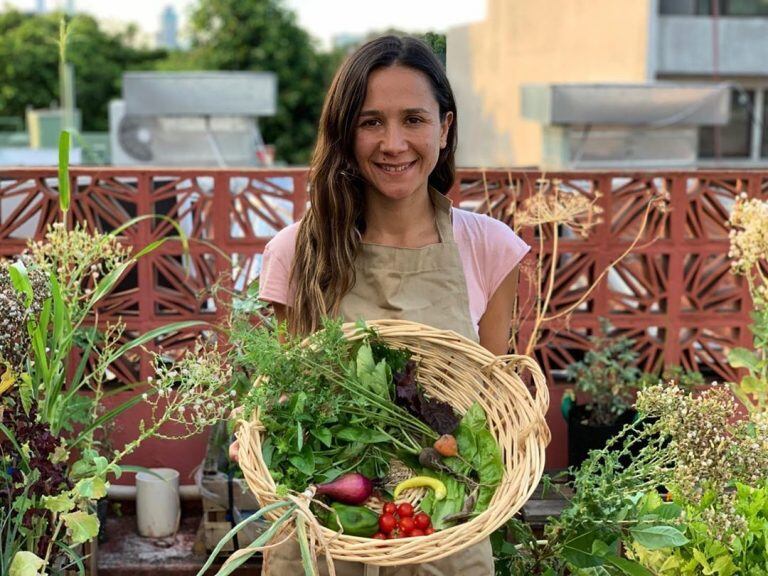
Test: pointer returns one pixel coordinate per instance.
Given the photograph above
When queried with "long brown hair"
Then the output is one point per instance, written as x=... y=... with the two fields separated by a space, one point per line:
x=330 y=232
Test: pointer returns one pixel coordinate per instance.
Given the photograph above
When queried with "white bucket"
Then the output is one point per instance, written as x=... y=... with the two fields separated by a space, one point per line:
x=157 y=502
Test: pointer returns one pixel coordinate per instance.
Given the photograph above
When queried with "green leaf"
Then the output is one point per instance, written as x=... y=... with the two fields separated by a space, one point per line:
x=364 y=435
x=743 y=358
x=655 y=537
x=375 y=377
x=21 y=282
x=305 y=461
x=81 y=526
x=323 y=435
x=91 y=488
x=629 y=567
x=65 y=142
x=151 y=335
x=668 y=511
x=26 y=564
x=578 y=551
x=26 y=392
x=60 y=503
x=753 y=385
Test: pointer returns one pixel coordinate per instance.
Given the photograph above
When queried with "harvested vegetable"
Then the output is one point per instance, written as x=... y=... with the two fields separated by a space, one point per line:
x=387 y=523
x=446 y=445
x=354 y=520
x=405 y=509
x=351 y=488
x=422 y=482
x=436 y=414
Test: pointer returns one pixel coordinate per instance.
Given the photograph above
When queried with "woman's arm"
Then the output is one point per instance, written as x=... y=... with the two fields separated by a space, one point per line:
x=281 y=312
x=495 y=323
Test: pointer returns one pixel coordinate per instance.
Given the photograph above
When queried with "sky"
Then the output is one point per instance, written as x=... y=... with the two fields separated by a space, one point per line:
x=322 y=18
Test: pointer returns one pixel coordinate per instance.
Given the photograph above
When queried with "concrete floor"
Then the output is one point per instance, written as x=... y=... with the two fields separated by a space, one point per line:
x=125 y=553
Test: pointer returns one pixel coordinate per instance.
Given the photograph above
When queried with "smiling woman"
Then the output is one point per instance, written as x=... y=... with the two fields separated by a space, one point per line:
x=381 y=240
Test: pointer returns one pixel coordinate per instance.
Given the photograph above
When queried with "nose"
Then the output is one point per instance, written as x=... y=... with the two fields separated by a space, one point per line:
x=394 y=141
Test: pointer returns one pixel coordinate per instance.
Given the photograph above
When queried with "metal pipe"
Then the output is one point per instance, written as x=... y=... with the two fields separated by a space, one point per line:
x=128 y=492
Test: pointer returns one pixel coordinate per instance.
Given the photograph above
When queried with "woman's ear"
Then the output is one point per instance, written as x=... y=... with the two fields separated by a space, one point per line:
x=445 y=126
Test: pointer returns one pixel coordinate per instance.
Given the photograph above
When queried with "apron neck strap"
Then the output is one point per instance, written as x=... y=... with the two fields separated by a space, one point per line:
x=443 y=220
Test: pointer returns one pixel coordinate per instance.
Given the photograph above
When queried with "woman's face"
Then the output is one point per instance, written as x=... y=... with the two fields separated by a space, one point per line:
x=399 y=134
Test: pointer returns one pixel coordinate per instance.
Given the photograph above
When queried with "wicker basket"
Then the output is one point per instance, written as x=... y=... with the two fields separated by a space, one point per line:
x=459 y=371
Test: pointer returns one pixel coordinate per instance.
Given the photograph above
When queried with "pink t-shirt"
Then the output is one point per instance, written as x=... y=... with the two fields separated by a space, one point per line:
x=488 y=249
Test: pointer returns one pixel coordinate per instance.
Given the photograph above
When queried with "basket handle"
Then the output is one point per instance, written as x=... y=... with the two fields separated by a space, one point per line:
x=518 y=363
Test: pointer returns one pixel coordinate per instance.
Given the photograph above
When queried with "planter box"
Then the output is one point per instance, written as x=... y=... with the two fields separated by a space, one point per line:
x=218 y=516
x=225 y=500
x=583 y=438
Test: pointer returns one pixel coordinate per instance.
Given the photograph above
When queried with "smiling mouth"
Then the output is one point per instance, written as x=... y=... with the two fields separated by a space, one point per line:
x=395 y=168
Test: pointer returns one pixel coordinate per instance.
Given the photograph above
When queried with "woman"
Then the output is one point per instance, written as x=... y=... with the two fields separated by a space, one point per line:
x=381 y=240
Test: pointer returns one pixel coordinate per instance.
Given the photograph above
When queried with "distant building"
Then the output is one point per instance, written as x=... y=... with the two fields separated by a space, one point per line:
x=525 y=75
x=167 y=37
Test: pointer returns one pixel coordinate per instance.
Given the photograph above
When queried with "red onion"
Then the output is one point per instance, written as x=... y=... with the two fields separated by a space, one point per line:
x=352 y=488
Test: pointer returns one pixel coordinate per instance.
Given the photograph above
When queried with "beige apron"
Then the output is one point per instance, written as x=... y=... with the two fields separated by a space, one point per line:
x=424 y=285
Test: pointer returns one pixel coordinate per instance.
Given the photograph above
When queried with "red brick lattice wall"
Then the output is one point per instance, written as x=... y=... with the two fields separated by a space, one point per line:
x=675 y=296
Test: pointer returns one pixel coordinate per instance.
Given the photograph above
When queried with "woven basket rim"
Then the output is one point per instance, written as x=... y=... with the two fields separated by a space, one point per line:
x=527 y=442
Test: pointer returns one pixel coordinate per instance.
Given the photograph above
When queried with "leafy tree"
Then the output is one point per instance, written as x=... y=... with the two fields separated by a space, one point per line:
x=263 y=35
x=29 y=64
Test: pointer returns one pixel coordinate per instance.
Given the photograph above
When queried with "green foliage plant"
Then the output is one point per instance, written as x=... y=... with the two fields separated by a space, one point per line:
x=748 y=249
x=718 y=479
x=613 y=501
x=55 y=355
x=607 y=374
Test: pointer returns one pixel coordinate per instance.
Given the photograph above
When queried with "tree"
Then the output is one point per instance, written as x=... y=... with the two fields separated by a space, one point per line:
x=263 y=35
x=29 y=64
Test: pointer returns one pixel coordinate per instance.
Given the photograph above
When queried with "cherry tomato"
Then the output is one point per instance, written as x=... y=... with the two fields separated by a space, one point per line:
x=390 y=508
x=380 y=536
x=405 y=510
x=422 y=520
x=417 y=532
x=429 y=531
x=387 y=523
x=407 y=525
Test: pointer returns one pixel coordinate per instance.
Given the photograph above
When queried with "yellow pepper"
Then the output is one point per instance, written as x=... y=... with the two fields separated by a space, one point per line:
x=422 y=481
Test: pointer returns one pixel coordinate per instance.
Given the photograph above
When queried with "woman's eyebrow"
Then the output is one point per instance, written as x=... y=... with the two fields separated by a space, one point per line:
x=406 y=111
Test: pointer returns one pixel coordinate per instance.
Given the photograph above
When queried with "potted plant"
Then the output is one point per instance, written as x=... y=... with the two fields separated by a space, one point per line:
x=608 y=377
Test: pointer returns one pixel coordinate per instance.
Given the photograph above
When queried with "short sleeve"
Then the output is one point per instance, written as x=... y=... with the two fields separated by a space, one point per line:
x=503 y=251
x=277 y=260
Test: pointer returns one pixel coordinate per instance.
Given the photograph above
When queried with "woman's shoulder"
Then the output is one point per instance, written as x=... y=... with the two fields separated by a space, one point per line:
x=283 y=244
x=474 y=227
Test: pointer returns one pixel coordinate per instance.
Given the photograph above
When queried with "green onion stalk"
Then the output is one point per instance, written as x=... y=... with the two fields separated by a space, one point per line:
x=296 y=510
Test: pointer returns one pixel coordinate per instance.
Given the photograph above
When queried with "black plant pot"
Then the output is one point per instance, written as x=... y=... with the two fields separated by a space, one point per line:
x=583 y=437
x=102 y=506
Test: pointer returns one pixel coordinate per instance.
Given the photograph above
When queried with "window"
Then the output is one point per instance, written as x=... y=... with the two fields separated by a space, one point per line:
x=764 y=127
x=704 y=7
x=732 y=140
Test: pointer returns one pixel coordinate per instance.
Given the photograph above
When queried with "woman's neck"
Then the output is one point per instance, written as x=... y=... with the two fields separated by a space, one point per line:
x=407 y=223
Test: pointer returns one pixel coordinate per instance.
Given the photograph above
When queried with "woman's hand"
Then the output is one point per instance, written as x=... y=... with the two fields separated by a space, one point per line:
x=234 y=451
x=234 y=448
